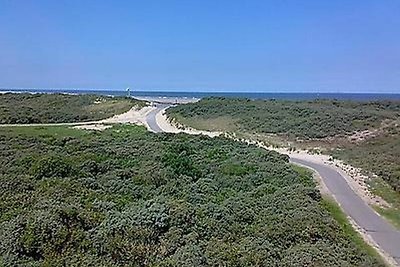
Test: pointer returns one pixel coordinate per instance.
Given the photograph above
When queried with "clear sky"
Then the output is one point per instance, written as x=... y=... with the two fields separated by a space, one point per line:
x=188 y=45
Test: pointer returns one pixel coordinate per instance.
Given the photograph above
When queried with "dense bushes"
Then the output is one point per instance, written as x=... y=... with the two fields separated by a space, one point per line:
x=49 y=167
x=125 y=197
x=56 y=108
x=310 y=121
x=302 y=119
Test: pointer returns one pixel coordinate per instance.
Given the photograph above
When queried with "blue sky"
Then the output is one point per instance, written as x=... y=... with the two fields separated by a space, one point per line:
x=271 y=46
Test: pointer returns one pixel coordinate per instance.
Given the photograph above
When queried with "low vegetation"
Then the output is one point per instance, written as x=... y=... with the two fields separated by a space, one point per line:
x=60 y=108
x=298 y=119
x=324 y=123
x=379 y=155
x=126 y=197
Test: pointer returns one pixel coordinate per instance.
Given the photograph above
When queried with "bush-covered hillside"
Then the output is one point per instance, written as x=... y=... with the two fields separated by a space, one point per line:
x=379 y=155
x=125 y=197
x=57 y=108
x=310 y=121
x=301 y=119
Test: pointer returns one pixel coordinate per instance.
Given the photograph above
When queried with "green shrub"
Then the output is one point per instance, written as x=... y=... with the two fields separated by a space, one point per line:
x=124 y=197
x=51 y=167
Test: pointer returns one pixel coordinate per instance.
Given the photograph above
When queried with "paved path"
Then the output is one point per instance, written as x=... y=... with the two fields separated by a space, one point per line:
x=382 y=232
x=151 y=118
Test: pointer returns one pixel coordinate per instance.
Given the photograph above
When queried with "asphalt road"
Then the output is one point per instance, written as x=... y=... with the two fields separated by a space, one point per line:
x=382 y=232
x=151 y=118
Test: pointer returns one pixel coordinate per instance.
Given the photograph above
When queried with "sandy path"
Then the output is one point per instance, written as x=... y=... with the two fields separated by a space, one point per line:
x=134 y=116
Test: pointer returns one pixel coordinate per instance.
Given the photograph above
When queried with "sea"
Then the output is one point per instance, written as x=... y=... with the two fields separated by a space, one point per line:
x=194 y=96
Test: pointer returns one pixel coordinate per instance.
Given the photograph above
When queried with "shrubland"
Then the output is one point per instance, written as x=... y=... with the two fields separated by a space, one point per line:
x=327 y=124
x=312 y=119
x=60 y=108
x=379 y=154
x=126 y=197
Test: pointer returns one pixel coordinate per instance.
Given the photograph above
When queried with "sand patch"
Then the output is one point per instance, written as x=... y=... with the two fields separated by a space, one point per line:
x=172 y=127
x=134 y=115
x=93 y=127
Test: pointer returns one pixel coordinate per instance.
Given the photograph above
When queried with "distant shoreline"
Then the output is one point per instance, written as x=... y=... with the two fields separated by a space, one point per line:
x=194 y=96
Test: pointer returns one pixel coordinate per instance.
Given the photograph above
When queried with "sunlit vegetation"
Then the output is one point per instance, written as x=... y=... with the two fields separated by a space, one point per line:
x=60 y=108
x=126 y=197
x=326 y=126
x=297 y=119
x=379 y=155
x=328 y=122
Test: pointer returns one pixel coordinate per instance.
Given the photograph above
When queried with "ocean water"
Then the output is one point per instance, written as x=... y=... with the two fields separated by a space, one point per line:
x=151 y=95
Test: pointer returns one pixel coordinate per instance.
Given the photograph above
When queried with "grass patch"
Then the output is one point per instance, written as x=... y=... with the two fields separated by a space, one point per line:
x=43 y=131
x=117 y=131
x=391 y=214
x=381 y=188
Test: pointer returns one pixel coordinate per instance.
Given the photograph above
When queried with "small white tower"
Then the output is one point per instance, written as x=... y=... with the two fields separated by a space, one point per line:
x=128 y=90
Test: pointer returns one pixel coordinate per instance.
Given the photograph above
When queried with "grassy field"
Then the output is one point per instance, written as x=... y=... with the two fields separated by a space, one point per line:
x=127 y=197
x=60 y=108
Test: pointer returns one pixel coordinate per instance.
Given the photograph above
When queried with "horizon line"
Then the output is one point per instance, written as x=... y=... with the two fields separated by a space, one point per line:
x=183 y=91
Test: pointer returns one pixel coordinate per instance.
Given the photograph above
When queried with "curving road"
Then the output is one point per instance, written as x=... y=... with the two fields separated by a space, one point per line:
x=380 y=231
x=151 y=118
